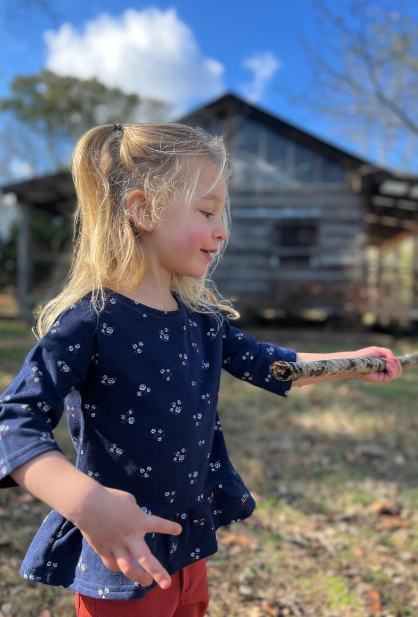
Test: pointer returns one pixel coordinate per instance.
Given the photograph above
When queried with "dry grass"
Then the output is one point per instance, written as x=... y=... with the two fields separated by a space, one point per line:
x=321 y=464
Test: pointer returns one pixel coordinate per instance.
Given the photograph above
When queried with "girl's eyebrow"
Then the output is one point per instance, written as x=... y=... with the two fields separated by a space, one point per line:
x=213 y=196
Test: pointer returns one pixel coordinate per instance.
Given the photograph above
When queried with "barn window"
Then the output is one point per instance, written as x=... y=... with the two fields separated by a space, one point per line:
x=295 y=242
x=263 y=157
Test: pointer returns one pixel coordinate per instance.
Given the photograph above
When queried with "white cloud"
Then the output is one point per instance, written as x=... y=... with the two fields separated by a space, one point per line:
x=21 y=169
x=151 y=53
x=263 y=66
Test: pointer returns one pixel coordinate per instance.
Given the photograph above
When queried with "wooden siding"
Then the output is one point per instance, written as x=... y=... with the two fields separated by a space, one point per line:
x=252 y=269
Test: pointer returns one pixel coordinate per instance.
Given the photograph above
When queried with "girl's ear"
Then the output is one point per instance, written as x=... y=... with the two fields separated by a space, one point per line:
x=139 y=209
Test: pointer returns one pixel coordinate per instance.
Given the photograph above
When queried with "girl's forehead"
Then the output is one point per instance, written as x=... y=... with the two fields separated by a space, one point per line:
x=209 y=174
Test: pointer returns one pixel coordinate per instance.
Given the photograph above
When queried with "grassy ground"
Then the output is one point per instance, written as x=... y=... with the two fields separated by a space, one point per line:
x=333 y=469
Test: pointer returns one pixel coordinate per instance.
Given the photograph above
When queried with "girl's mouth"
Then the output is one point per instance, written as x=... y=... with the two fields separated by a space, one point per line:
x=208 y=255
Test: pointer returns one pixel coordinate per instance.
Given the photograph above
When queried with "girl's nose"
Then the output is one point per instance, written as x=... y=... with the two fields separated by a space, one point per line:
x=220 y=233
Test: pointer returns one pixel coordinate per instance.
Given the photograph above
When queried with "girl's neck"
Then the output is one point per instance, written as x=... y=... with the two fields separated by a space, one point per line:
x=151 y=299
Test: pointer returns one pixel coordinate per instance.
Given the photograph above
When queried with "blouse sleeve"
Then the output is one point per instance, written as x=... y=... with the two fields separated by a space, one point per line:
x=33 y=403
x=247 y=359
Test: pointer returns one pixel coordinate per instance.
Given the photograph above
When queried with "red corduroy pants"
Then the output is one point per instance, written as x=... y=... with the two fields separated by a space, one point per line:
x=187 y=596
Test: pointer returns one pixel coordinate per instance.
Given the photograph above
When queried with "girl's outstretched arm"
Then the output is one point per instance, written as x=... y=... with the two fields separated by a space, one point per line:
x=393 y=366
x=248 y=359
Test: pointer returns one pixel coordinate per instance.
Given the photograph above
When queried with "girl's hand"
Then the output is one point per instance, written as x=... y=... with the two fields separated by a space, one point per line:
x=114 y=526
x=393 y=366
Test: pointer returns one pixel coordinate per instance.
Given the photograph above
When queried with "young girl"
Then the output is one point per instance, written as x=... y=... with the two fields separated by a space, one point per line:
x=134 y=345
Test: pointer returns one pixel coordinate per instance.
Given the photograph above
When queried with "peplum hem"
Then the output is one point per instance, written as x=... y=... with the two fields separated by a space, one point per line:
x=59 y=554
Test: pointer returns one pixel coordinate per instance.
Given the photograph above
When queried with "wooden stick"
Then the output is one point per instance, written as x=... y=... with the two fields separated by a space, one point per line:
x=291 y=371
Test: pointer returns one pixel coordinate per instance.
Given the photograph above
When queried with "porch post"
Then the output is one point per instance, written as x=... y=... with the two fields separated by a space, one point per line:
x=24 y=262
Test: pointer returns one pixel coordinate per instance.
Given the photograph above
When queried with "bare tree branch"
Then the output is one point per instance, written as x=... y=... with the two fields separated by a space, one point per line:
x=364 y=75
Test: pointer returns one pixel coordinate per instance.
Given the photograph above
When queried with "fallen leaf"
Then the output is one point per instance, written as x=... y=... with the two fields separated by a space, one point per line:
x=385 y=507
x=214 y=571
x=358 y=552
x=268 y=608
x=375 y=600
x=253 y=611
x=241 y=540
x=349 y=456
x=391 y=522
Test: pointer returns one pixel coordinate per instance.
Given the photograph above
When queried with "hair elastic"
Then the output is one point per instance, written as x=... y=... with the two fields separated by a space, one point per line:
x=117 y=127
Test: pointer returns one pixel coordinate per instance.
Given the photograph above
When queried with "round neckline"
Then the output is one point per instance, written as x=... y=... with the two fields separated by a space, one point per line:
x=149 y=310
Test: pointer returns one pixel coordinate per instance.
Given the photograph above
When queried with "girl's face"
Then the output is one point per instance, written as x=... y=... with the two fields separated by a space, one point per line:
x=178 y=243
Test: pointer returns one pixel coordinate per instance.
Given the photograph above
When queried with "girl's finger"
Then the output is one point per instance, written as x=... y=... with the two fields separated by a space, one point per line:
x=139 y=549
x=152 y=523
x=132 y=571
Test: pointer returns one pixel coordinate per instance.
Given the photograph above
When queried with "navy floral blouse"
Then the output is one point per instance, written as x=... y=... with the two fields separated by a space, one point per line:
x=140 y=389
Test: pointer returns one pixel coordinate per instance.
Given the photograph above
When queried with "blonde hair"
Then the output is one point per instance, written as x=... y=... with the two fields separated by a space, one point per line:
x=108 y=163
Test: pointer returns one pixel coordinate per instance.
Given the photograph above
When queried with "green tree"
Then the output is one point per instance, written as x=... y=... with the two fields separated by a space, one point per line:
x=53 y=111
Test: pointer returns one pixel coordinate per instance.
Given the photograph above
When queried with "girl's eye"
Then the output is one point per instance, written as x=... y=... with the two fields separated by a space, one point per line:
x=207 y=213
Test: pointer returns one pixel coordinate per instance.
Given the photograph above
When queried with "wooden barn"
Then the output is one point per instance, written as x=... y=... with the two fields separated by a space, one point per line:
x=316 y=232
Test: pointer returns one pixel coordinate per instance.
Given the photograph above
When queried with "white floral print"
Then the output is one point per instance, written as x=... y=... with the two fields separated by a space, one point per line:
x=143 y=390
x=92 y=410
x=144 y=472
x=158 y=434
x=36 y=373
x=107 y=330
x=170 y=495
x=63 y=366
x=176 y=407
x=211 y=333
x=165 y=334
x=71 y=410
x=81 y=566
x=180 y=456
x=215 y=466
x=55 y=328
x=43 y=406
x=74 y=348
x=108 y=381
x=137 y=347
x=218 y=426
x=247 y=376
x=166 y=373
x=127 y=418
x=3 y=429
x=115 y=450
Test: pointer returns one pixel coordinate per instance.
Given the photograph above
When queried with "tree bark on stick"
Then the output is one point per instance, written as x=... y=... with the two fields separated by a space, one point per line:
x=291 y=371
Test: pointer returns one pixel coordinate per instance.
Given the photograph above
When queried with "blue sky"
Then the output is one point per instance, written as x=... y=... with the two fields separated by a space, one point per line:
x=185 y=51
